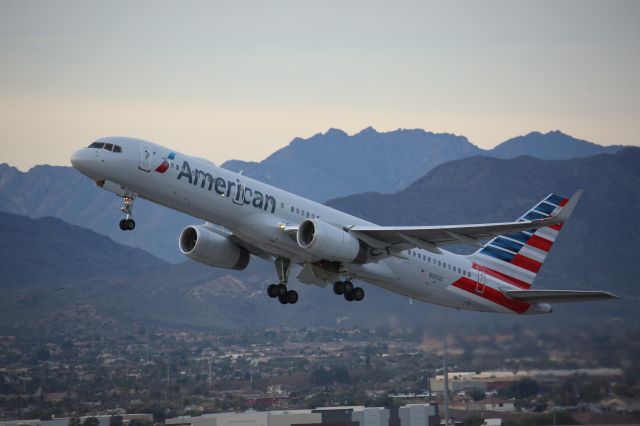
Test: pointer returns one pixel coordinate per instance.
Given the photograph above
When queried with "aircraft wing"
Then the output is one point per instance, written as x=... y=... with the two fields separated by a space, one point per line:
x=559 y=296
x=430 y=237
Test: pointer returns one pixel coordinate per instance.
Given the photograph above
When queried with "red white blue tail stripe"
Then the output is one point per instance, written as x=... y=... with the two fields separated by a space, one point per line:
x=516 y=258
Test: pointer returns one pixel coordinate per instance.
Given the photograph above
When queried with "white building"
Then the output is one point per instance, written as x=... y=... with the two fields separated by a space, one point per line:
x=417 y=414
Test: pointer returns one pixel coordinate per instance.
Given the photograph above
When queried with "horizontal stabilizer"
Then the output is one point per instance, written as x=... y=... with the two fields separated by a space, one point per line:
x=559 y=296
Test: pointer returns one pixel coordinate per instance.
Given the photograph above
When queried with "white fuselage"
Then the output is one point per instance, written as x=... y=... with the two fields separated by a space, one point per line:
x=256 y=213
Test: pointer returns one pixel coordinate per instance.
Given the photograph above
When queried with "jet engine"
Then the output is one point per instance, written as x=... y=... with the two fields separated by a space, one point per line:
x=206 y=246
x=330 y=242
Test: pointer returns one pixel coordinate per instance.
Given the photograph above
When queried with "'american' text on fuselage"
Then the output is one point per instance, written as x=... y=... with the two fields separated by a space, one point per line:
x=238 y=193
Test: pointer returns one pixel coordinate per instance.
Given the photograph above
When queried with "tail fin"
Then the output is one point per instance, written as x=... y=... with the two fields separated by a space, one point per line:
x=516 y=258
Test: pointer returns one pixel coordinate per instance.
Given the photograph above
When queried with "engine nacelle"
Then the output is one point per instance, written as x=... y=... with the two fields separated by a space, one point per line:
x=206 y=246
x=330 y=243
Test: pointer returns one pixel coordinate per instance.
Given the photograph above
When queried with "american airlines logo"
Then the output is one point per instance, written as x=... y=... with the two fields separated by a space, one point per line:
x=236 y=191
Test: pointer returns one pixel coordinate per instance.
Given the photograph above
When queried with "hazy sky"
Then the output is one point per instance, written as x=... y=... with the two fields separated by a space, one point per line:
x=239 y=79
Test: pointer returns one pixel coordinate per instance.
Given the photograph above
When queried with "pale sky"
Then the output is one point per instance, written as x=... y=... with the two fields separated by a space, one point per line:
x=240 y=79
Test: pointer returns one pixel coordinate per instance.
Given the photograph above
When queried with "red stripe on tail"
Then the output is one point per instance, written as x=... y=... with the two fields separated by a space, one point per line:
x=503 y=277
x=492 y=295
x=526 y=263
x=540 y=243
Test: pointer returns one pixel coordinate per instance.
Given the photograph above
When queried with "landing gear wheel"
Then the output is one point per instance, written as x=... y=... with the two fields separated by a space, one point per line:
x=338 y=287
x=348 y=287
x=127 y=224
x=281 y=290
x=272 y=291
x=283 y=299
x=292 y=296
x=349 y=297
x=358 y=294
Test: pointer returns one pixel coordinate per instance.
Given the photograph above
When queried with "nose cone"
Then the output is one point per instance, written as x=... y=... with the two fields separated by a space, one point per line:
x=80 y=160
x=76 y=158
x=86 y=162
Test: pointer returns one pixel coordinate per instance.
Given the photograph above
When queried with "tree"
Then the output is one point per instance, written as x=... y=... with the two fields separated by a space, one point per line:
x=74 y=421
x=91 y=421
x=320 y=376
x=473 y=421
x=521 y=389
x=342 y=375
x=115 y=421
x=476 y=394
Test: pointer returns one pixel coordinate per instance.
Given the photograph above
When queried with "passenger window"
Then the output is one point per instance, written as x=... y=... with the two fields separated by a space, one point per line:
x=117 y=148
x=282 y=205
x=297 y=210
x=439 y=264
x=424 y=257
x=292 y=209
x=313 y=216
x=307 y=215
x=429 y=259
x=302 y=211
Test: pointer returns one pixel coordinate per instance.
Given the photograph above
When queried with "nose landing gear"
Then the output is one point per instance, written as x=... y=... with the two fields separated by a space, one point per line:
x=127 y=224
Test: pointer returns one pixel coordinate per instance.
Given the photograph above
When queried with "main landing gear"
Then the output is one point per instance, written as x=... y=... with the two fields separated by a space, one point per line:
x=349 y=292
x=284 y=295
x=127 y=224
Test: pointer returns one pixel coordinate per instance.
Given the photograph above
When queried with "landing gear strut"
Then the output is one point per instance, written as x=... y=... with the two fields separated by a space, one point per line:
x=284 y=295
x=349 y=292
x=128 y=223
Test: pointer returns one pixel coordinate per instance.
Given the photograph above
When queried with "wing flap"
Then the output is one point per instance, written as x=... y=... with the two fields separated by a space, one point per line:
x=559 y=296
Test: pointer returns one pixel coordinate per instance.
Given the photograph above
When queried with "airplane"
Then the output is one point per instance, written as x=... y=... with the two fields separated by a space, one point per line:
x=245 y=218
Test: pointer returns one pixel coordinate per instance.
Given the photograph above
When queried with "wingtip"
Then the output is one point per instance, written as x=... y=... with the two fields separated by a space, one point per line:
x=566 y=212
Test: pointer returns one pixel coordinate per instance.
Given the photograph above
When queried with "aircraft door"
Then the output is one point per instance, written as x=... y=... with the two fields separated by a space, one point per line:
x=482 y=281
x=145 y=158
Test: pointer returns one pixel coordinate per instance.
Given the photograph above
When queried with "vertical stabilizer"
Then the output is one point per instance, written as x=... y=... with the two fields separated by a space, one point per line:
x=516 y=258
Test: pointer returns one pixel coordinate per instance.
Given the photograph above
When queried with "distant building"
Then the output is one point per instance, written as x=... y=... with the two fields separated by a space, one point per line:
x=419 y=415
x=64 y=421
x=409 y=415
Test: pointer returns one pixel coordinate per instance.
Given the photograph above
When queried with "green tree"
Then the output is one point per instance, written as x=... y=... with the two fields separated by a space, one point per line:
x=523 y=388
x=320 y=376
x=473 y=421
x=74 y=421
x=115 y=421
x=91 y=421
x=341 y=374
x=476 y=394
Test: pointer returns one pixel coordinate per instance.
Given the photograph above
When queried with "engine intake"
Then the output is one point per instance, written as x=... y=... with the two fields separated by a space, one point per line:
x=330 y=242
x=206 y=246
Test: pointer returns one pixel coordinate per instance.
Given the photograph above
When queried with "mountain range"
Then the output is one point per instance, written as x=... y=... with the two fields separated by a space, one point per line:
x=324 y=166
x=333 y=164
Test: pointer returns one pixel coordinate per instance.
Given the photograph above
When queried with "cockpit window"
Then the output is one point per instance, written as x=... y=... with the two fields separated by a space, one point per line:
x=107 y=146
